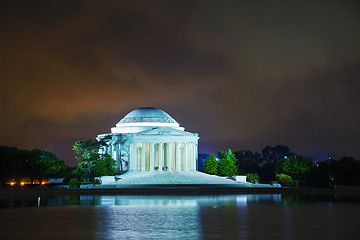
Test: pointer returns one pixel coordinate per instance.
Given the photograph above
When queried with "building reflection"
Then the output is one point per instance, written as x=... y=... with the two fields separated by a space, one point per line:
x=176 y=217
x=179 y=200
x=139 y=200
x=148 y=217
x=179 y=217
x=121 y=200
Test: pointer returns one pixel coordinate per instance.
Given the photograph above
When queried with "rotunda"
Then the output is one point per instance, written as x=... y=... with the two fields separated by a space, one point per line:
x=149 y=139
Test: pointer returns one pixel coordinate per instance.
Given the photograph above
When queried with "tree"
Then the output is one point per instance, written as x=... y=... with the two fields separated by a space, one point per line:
x=33 y=164
x=248 y=161
x=105 y=166
x=272 y=154
x=227 y=165
x=87 y=152
x=267 y=172
x=44 y=164
x=318 y=175
x=286 y=180
x=201 y=161
x=92 y=163
x=252 y=177
x=12 y=164
x=211 y=165
x=222 y=155
x=296 y=167
x=74 y=183
x=348 y=171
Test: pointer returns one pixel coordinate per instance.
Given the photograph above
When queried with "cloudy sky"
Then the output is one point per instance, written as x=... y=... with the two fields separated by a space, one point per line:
x=242 y=74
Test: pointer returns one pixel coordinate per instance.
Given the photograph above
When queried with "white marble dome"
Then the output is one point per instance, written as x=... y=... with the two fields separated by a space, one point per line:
x=147 y=114
x=145 y=118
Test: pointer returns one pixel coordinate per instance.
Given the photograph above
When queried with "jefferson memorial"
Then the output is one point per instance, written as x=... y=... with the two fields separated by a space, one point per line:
x=148 y=140
x=151 y=148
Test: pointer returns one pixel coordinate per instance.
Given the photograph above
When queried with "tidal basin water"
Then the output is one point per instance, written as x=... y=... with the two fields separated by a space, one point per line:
x=245 y=216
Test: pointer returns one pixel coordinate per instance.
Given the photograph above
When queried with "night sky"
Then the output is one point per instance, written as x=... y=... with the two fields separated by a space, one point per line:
x=241 y=74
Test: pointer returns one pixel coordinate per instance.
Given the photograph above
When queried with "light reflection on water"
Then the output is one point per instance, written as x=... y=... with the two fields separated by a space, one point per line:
x=161 y=200
x=247 y=216
x=167 y=217
x=148 y=222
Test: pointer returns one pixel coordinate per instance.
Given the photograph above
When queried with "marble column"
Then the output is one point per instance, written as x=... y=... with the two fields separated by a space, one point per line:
x=194 y=157
x=143 y=156
x=190 y=156
x=186 y=156
x=168 y=156
x=152 y=156
x=111 y=153
x=118 y=156
x=177 y=157
x=172 y=156
x=160 y=155
x=129 y=152
x=133 y=156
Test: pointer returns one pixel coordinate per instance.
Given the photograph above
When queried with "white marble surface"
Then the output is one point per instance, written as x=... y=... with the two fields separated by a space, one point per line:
x=168 y=177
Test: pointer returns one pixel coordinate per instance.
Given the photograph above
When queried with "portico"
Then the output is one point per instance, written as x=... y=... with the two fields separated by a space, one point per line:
x=162 y=156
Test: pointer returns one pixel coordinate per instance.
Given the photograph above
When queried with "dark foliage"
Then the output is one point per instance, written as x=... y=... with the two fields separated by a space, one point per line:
x=32 y=165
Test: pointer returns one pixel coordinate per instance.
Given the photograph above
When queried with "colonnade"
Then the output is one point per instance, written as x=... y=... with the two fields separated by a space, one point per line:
x=163 y=156
x=114 y=151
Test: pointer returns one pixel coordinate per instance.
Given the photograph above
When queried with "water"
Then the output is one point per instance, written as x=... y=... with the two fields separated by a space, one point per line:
x=247 y=216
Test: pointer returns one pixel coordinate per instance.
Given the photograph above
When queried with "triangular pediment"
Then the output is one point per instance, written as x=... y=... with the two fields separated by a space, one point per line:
x=165 y=131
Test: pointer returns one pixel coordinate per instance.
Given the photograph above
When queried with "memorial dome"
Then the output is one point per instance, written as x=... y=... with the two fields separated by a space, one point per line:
x=142 y=119
x=147 y=114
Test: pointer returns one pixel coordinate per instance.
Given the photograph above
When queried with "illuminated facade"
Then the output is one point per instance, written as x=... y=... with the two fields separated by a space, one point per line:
x=149 y=139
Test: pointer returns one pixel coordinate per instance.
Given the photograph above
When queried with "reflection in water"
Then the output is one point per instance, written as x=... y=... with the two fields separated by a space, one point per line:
x=148 y=222
x=162 y=200
x=148 y=201
x=175 y=217
x=257 y=216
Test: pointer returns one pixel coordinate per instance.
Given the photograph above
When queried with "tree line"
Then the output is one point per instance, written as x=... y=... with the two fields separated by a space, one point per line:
x=279 y=164
x=36 y=164
x=275 y=163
